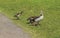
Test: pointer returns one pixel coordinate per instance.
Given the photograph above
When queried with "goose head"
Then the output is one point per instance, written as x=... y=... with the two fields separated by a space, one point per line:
x=41 y=13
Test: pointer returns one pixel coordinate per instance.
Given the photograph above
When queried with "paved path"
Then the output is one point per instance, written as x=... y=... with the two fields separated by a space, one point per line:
x=10 y=30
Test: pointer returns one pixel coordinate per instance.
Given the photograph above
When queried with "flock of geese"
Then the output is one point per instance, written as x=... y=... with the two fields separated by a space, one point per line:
x=34 y=20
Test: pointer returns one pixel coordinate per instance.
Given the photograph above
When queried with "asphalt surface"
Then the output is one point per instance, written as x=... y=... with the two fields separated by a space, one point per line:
x=10 y=30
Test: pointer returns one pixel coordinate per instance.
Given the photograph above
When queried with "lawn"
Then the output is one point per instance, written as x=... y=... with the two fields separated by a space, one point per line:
x=50 y=26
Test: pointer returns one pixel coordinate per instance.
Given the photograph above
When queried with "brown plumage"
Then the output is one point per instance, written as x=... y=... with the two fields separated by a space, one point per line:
x=32 y=19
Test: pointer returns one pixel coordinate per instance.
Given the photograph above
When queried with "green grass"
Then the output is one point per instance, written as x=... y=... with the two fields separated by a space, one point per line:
x=50 y=26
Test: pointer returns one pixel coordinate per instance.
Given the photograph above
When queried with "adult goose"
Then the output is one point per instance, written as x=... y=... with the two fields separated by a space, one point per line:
x=36 y=19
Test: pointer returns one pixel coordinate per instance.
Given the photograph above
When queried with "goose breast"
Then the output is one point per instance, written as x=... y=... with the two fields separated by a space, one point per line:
x=40 y=18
